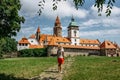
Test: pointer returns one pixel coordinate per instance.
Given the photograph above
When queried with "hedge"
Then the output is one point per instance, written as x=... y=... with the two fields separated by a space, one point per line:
x=33 y=52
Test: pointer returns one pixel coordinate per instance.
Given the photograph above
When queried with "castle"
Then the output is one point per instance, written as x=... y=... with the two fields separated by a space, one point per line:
x=73 y=44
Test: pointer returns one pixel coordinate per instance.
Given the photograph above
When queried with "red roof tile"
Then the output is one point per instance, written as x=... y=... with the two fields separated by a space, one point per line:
x=89 y=41
x=36 y=46
x=24 y=41
x=107 y=45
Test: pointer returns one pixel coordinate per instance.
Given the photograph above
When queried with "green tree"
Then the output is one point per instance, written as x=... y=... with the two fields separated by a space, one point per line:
x=78 y=3
x=2 y=43
x=10 y=21
x=7 y=45
x=10 y=45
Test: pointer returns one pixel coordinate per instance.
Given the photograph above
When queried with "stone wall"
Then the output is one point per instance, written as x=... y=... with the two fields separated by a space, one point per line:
x=52 y=50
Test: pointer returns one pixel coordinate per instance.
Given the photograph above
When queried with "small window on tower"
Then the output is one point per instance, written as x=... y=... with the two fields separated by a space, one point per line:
x=75 y=40
x=75 y=33
x=75 y=44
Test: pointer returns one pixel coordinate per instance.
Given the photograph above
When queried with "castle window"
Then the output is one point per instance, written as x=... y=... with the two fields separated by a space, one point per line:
x=75 y=40
x=31 y=41
x=108 y=43
x=75 y=33
x=19 y=44
x=25 y=44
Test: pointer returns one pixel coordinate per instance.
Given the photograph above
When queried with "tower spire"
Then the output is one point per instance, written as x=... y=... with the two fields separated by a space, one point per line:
x=38 y=33
x=38 y=29
x=72 y=19
x=57 y=28
x=57 y=21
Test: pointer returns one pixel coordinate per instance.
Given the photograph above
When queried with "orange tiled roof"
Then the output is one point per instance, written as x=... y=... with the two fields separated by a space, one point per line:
x=52 y=42
x=36 y=46
x=62 y=39
x=82 y=47
x=49 y=38
x=107 y=45
x=32 y=36
x=89 y=41
x=44 y=37
x=24 y=41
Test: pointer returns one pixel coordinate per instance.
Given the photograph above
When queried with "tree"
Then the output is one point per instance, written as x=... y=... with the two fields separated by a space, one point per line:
x=10 y=45
x=2 y=43
x=7 y=45
x=10 y=21
x=78 y=3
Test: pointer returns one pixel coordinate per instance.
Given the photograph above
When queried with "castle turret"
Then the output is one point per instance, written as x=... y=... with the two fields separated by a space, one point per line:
x=73 y=32
x=38 y=33
x=57 y=28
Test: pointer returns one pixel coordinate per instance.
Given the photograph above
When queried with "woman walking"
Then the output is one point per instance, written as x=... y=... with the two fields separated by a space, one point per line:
x=60 y=57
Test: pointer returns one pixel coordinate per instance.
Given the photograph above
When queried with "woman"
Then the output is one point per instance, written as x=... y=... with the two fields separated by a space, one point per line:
x=60 y=57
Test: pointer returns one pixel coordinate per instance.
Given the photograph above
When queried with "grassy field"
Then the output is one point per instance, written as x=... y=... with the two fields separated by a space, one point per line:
x=94 y=68
x=83 y=68
x=24 y=67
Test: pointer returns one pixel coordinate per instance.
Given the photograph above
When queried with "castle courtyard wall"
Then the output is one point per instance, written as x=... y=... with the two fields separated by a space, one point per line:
x=52 y=50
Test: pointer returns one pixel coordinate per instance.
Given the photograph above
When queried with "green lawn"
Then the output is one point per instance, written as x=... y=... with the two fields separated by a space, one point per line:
x=25 y=67
x=83 y=68
x=94 y=68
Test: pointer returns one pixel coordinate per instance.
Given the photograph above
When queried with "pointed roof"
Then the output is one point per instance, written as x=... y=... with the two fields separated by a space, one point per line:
x=107 y=45
x=38 y=30
x=57 y=21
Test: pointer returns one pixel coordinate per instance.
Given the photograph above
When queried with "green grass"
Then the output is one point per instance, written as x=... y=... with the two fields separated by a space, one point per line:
x=25 y=67
x=94 y=68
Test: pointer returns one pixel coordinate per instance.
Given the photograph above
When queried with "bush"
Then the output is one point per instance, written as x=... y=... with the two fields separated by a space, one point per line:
x=0 y=56
x=33 y=52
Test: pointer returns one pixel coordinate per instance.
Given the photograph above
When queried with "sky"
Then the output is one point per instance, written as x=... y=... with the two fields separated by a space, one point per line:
x=91 y=26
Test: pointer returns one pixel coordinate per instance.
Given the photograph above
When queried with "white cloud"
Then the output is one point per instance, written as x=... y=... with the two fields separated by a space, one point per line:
x=100 y=33
x=95 y=20
x=29 y=7
x=65 y=9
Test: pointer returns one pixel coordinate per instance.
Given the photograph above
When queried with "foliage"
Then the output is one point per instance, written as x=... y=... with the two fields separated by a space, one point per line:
x=2 y=43
x=9 y=18
x=10 y=45
x=24 y=67
x=7 y=45
x=94 y=68
x=33 y=52
x=79 y=3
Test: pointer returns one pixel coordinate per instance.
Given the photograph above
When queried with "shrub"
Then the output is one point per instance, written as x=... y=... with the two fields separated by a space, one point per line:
x=33 y=52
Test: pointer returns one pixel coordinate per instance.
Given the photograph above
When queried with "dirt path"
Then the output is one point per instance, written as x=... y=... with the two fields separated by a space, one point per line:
x=52 y=72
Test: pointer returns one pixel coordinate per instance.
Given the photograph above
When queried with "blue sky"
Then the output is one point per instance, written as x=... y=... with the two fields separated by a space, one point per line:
x=91 y=25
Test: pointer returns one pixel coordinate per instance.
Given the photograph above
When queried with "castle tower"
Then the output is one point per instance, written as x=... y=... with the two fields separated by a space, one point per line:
x=38 y=34
x=57 y=28
x=73 y=32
